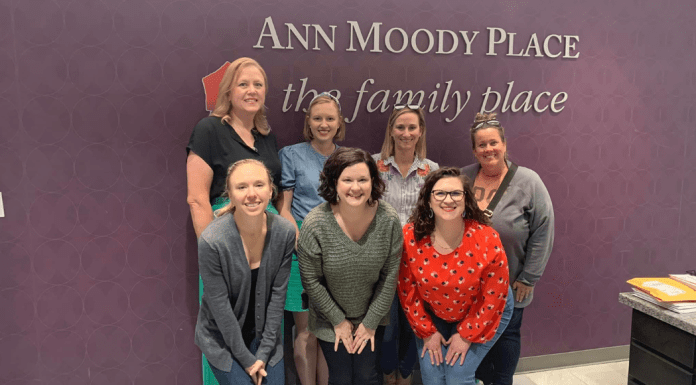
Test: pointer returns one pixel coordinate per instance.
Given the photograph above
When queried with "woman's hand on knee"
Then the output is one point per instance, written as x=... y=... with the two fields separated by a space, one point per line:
x=260 y=375
x=432 y=345
x=344 y=333
x=257 y=372
x=458 y=347
x=363 y=335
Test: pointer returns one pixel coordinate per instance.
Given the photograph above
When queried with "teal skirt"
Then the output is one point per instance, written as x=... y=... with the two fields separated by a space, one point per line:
x=293 y=299
x=208 y=376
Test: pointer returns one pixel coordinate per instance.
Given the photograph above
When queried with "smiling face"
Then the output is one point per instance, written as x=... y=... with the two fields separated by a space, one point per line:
x=248 y=91
x=323 y=122
x=406 y=132
x=448 y=209
x=250 y=189
x=489 y=149
x=354 y=185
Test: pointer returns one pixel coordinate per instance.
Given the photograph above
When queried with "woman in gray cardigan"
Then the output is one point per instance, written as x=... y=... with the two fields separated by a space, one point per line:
x=349 y=251
x=244 y=260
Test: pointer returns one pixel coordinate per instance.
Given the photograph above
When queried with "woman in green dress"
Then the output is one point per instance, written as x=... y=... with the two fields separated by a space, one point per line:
x=302 y=164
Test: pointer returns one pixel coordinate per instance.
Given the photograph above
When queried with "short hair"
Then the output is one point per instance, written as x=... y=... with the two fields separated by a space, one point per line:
x=388 y=145
x=423 y=221
x=340 y=133
x=223 y=107
x=229 y=207
x=484 y=118
x=341 y=159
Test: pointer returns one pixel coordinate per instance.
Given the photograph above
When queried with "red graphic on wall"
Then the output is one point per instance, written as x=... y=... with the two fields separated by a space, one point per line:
x=211 y=85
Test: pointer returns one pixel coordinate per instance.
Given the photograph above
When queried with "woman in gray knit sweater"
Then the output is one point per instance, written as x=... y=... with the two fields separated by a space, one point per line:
x=349 y=251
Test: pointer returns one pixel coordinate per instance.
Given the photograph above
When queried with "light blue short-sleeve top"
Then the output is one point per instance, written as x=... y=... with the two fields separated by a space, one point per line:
x=301 y=166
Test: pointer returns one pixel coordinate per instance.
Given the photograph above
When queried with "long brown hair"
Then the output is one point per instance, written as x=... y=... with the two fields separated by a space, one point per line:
x=223 y=106
x=388 y=145
x=422 y=219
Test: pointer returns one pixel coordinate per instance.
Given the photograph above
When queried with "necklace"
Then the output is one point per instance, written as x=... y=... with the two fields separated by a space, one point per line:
x=322 y=153
x=443 y=244
x=488 y=182
x=495 y=176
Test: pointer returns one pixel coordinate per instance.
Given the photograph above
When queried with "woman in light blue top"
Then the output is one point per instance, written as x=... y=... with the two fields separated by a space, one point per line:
x=301 y=165
x=403 y=167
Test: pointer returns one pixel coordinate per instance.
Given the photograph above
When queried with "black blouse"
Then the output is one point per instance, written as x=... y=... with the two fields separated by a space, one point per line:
x=219 y=145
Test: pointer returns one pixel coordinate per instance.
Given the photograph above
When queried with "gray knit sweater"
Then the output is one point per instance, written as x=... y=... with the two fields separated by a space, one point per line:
x=346 y=279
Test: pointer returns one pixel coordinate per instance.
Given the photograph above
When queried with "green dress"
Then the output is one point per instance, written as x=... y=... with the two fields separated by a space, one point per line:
x=293 y=298
x=208 y=376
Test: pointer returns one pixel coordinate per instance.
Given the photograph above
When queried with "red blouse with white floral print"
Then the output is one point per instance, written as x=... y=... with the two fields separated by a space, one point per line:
x=468 y=285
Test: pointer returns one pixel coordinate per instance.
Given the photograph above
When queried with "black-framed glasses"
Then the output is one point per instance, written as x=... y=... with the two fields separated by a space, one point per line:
x=413 y=107
x=441 y=195
x=335 y=99
x=487 y=122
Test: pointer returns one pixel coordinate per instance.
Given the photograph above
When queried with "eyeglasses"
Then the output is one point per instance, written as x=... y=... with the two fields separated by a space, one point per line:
x=413 y=107
x=441 y=195
x=691 y=272
x=335 y=99
x=487 y=122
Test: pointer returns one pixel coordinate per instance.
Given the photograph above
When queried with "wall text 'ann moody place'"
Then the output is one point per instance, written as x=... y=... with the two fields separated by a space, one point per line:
x=422 y=41
x=374 y=38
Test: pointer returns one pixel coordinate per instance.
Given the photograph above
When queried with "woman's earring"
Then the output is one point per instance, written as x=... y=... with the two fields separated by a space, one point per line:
x=430 y=214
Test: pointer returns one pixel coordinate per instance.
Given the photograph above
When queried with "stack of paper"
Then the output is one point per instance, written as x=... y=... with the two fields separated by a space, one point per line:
x=677 y=307
x=664 y=289
x=686 y=279
x=668 y=293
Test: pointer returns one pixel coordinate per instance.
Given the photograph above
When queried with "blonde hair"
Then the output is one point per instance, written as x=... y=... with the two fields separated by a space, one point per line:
x=229 y=207
x=388 y=145
x=223 y=107
x=340 y=133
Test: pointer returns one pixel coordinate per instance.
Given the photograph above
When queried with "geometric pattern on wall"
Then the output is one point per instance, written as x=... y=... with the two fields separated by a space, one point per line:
x=97 y=100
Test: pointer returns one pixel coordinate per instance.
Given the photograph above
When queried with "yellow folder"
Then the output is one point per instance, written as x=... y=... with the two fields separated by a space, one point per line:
x=664 y=289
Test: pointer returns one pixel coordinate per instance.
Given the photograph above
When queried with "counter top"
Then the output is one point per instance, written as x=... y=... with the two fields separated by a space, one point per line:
x=685 y=322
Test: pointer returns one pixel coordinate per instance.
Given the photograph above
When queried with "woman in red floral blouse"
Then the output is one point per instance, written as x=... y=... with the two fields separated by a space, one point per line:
x=453 y=280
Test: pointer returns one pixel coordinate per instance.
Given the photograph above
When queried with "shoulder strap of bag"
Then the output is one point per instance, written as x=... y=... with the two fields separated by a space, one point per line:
x=501 y=190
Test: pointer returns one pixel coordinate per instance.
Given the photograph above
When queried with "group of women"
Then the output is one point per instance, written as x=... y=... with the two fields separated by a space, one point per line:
x=383 y=260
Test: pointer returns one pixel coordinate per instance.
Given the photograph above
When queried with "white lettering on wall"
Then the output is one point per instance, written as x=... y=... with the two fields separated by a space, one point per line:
x=422 y=41
x=355 y=31
x=268 y=23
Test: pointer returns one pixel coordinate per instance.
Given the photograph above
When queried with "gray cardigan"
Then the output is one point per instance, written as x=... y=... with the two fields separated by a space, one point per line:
x=525 y=221
x=346 y=279
x=227 y=286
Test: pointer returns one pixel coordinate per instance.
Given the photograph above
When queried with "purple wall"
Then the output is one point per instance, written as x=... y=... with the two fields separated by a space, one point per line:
x=98 y=277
